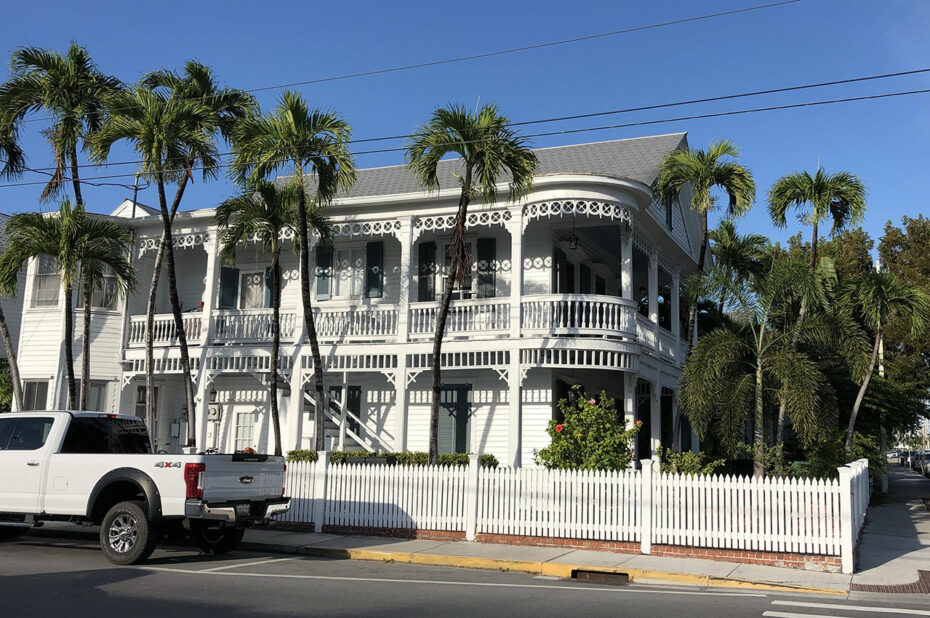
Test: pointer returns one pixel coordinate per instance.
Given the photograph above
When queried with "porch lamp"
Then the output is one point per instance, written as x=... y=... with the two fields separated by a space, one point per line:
x=213 y=394
x=573 y=240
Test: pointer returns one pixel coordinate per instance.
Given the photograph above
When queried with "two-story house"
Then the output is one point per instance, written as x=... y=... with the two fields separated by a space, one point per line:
x=577 y=283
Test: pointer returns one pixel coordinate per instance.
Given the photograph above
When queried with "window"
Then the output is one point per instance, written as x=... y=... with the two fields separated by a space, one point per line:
x=229 y=283
x=92 y=434
x=97 y=396
x=486 y=267
x=349 y=272
x=104 y=294
x=245 y=426
x=463 y=289
x=45 y=285
x=35 y=395
x=24 y=434
x=253 y=290
x=426 y=272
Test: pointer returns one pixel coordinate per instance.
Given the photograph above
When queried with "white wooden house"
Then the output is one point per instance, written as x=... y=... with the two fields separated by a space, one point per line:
x=577 y=283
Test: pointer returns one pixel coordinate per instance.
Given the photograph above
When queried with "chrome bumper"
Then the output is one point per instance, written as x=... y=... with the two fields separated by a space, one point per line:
x=202 y=510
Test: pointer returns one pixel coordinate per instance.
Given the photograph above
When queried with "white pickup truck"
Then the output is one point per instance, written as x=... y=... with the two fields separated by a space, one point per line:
x=99 y=469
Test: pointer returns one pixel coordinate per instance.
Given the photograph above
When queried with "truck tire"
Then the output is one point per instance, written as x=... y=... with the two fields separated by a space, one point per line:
x=8 y=533
x=218 y=541
x=126 y=534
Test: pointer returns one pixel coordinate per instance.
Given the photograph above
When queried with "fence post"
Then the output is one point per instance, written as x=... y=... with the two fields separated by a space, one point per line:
x=320 y=474
x=645 y=508
x=471 y=497
x=846 y=519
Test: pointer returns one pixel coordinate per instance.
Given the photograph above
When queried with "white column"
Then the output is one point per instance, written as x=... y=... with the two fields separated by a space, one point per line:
x=515 y=420
x=626 y=262
x=400 y=403
x=629 y=405
x=653 y=283
x=210 y=284
x=515 y=227
x=676 y=309
x=655 y=417
x=405 y=237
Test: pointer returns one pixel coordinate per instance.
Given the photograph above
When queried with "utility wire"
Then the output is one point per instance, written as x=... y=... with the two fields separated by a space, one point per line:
x=566 y=131
x=512 y=50
x=626 y=110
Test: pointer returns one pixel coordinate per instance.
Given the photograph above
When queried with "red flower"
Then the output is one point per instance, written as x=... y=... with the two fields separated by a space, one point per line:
x=639 y=423
x=558 y=429
x=591 y=401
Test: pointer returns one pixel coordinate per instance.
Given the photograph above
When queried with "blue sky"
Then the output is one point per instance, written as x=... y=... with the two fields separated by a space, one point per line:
x=250 y=45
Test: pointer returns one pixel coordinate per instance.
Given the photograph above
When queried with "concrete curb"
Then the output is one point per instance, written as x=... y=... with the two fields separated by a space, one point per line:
x=533 y=568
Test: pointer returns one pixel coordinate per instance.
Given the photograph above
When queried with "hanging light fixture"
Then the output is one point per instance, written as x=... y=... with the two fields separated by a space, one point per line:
x=573 y=240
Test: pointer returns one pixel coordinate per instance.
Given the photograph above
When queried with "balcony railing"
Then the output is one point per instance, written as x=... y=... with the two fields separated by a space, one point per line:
x=578 y=314
x=356 y=323
x=251 y=325
x=488 y=316
x=164 y=332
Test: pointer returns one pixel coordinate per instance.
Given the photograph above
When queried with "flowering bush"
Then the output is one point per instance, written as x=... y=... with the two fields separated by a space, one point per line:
x=591 y=436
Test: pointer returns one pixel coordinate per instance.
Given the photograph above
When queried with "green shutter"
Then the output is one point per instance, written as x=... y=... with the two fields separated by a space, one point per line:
x=585 y=275
x=324 y=273
x=268 y=285
x=487 y=256
x=426 y=274
x=229 y=287
x=374 y=269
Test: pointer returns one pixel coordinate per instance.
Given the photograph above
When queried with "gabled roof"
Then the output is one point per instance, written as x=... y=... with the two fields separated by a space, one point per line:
x=635 y=159
x=125 y=210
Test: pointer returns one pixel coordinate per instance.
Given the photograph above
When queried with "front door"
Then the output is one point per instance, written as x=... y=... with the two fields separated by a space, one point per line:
x=455 y=414
x=24 y=450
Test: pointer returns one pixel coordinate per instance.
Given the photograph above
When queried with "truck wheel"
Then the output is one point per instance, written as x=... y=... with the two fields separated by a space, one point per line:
x=8 y=533
x=218 y=541
x=126 y=534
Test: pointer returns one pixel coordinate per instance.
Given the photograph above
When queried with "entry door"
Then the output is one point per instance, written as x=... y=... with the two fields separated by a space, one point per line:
x=24 y=450
x=454 y=432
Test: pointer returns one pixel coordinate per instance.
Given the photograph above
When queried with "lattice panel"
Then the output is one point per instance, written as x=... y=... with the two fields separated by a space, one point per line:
x=474 y=219
x=366 y=228
x=583 y=208
x=353 y=362
x=594 y=359
x=246 y=364
x=164 y=365
x=461 y=360
x=180 y=241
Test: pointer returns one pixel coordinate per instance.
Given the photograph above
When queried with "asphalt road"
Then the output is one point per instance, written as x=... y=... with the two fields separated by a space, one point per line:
x=41 y=576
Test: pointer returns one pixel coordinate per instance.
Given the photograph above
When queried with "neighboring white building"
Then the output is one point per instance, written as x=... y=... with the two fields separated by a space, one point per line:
x=575 y=284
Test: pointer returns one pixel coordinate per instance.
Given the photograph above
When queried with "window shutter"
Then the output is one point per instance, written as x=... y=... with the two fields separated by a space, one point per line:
x=426 y=278
x=268 y=287
x=229 y=287
x=324 y=273
x=558 y=272
x=374 y=271
x=487 y=255
x=600 y=285
x=585 y=276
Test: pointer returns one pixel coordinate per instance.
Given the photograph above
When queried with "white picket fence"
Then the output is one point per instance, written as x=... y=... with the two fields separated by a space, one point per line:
x=772 y=514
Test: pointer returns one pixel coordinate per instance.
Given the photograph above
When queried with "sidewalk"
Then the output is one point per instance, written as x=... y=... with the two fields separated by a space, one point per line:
x=551 y=561
x=895 y=546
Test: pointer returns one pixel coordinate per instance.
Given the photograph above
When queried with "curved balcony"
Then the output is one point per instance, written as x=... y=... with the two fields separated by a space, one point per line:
x=578 y=314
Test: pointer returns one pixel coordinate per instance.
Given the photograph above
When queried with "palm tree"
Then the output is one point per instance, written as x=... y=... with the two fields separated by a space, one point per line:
x=9 y=289
x=489 y=150
x=876 y=298
x=266 y=214
x=13 y=162
x=227 y=106
x=169 y=134
x=704 y=171
x=12 y=159
x=71 y=90
x=840 y=196
x=738 y=254
x=732 y=368
x=294 y=137
x=83 y=246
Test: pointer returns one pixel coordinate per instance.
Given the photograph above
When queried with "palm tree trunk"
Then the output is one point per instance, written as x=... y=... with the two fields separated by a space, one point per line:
x=69 y=346
x=456 y=247
x=692 y=313
x=814 y=244
x=318 y=418
x=150 y=317
x=14 y=365
x=275 y=345
x=865 y=384
x=758 y=438
x=85 y=342
x=75 y=179
x=168 y=244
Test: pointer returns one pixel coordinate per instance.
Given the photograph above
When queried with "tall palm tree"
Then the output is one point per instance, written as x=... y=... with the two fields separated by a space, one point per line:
x=875 y=299
x=703 y=171
x=12 y=158
x=266 y=214
x=169 y=134
x=489 y=151
x=12 y=163
x=83 y=246
x=840 y=196
x=71 y=90
x=731 y=368
x=295 y=138
x=227 y=105
x=9 y=289
x=737 y=254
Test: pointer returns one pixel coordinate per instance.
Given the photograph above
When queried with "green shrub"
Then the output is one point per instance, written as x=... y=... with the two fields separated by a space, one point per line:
x=688 y=462
x=592 y=436
x=301 y=454
x=408 y=458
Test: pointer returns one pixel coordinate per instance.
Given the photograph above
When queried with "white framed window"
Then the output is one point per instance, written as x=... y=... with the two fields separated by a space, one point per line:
x=35 y=394
x=252 y=294
x=45 y=284
x=104 y=294
x=349 y=272
x=245 y=429
x=97 y=395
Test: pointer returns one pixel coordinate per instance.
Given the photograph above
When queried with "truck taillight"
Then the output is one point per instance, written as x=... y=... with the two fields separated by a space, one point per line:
x=284 y=486
x=193 y=479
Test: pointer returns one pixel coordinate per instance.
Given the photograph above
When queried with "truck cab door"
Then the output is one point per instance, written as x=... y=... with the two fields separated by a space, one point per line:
x=24 y=452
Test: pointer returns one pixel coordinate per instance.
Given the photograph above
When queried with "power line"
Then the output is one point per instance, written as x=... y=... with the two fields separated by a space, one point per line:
x=572 y=131
x=512 y=50
x=626 y=110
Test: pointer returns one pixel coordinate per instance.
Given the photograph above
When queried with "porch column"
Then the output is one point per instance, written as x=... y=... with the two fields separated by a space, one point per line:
x=400 y=403
x=515 y=227
x=654 y=287
x=676 y=308
x=405 y=237
x=629 y=406
x=211 y=246
x=515 y=420
x=626 y=262
x=655 y=417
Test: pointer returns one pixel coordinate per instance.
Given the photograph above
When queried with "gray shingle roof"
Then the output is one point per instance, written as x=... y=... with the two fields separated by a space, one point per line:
x=635 y=159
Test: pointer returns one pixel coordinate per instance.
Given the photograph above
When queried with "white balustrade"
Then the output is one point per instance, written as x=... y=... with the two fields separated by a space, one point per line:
x=357 y=322
x=252 y=325
x=667 y=347
x=479 y=315
x=164 y=331
x=578 y=314
x=645 y=331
